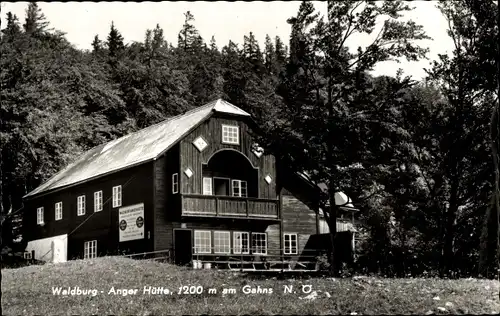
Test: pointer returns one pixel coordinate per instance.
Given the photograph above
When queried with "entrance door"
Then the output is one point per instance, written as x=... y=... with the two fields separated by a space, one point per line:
x=183 y=246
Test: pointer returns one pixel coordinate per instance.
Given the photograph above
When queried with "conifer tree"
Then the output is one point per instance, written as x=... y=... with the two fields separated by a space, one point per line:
x=12 y=28
x=115 y=43
x=96 y=45
x=188 y=35
x=35 y=23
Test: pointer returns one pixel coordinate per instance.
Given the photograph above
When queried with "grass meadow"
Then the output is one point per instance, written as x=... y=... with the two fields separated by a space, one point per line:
x=30 y=290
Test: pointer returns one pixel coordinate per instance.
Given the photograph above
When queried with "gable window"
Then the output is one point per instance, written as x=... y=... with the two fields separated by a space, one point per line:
x=230 y=134
x=239 y=188
x=175 y=183
x=240 y=242
x=290 y=244
x=80 y=205
x=259 y=243
x=117 y=196
x=222 y=242
x=207 y=186
x=202 y=241
x=98 y=201
x=39 y=216
x=90 y=249
x=59 y=211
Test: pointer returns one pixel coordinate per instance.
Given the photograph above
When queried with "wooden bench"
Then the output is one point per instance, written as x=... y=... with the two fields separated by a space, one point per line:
x=270 y=264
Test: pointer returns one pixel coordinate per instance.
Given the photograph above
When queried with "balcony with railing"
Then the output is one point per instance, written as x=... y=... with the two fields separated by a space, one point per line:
x=228 y=206
x=229 y=189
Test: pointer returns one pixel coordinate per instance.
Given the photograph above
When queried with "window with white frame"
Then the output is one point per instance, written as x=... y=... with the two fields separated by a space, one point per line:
x=27 y=255
x=222 y=242
x=175 y=183
x=290 y=244
x=240 y=243
x=230 y=134
x=259 y=243
x=90 y=249
x=117 y=196
x=98 y=201
x=202 y=241
x=80 y=205
x=59 y=211
x=239 y=188
x=207 y=186
x=39 y=215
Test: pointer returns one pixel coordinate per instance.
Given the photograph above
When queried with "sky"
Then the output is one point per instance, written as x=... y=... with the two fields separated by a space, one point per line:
x=81 y=21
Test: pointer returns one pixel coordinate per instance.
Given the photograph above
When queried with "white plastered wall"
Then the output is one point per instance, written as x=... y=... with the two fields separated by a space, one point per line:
x=51 y=249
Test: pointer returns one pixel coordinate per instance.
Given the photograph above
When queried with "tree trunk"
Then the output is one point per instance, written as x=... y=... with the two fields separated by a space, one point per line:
x=495 y=148
x=449 y=237
x=333 y=229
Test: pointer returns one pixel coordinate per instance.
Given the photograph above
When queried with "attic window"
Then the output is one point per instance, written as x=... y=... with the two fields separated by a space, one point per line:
x=230 y=134
x=200 y=143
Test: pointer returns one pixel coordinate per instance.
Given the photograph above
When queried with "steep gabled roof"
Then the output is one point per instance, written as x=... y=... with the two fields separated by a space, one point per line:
x=130 y=150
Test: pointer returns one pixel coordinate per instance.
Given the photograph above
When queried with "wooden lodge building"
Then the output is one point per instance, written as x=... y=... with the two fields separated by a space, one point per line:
x=193 y=185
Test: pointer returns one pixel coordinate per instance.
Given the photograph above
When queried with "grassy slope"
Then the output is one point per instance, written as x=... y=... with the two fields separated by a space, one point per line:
x=28 y=290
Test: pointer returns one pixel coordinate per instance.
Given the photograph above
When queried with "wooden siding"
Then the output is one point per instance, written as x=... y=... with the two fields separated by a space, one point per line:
x=228 y=206
x=274 y=239
x=298 y=219
x=102 y=226
x=167 y=206
x=211 y=131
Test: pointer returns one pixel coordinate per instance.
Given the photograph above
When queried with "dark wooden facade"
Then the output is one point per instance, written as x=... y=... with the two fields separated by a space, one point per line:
x=167 y=212
x=102 y=226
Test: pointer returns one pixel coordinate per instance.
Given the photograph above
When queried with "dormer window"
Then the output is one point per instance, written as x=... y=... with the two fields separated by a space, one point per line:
x=230 y=134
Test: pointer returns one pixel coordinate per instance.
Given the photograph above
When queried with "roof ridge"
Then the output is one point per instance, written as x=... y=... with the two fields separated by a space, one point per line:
x=94 y=155
x=199 y=108
x=168 y=119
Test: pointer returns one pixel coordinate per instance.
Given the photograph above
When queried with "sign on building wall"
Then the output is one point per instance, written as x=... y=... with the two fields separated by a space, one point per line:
x=131 y=222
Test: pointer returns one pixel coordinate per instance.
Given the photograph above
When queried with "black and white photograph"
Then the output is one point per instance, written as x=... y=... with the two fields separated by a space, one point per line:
x=250 y=158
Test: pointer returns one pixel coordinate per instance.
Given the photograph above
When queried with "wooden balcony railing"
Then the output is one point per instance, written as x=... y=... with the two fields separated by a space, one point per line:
x=228 y=206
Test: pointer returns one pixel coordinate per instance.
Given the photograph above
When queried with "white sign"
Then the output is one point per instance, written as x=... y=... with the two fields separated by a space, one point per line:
x=131 y=222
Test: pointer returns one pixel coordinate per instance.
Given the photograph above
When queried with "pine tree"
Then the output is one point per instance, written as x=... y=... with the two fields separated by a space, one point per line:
x=280 y=50
x=188 y=36
x=96 y=45
x=213 y=44
x=35 y=23
x=158 y=41
x=115 y=43
x=280 y=57
x=269 y=54
x=12 y=29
